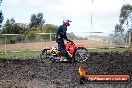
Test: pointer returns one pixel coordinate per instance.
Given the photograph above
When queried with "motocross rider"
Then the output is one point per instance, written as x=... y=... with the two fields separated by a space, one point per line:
x=60 y=36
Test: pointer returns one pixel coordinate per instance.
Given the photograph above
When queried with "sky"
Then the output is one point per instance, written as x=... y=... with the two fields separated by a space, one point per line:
x=105 y=13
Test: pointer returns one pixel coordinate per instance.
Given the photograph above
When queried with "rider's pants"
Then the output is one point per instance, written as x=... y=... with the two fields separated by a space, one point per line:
x=61 y=48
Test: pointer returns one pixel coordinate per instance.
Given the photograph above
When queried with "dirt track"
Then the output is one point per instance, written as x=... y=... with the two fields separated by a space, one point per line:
x=41 y=45
x=35 y=73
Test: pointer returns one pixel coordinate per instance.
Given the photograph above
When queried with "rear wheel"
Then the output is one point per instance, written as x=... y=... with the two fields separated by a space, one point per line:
x=81 y=55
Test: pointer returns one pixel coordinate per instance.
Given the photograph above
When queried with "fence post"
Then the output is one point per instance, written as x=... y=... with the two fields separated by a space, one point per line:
x=5 y=43
x=50 y=35
x=129 y=34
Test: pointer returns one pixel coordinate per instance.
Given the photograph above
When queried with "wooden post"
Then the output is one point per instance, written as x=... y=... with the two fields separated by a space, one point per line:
x=129 y=34
x=5 y=43
x=50 y=35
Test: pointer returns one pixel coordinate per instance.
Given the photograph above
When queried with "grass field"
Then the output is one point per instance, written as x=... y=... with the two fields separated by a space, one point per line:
x=107 y=49
x=25 y=54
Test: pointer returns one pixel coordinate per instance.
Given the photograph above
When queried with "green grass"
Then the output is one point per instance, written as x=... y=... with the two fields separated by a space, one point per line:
x=109 y=50
x=25 y=54
x=28 y=54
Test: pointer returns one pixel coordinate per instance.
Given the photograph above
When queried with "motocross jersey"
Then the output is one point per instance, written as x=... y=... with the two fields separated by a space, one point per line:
x=61 y=33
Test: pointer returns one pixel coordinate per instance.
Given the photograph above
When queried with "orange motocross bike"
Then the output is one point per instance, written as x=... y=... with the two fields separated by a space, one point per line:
x=76 y=53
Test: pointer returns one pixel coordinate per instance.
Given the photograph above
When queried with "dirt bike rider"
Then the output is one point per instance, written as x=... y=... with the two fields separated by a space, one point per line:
x=60 y=36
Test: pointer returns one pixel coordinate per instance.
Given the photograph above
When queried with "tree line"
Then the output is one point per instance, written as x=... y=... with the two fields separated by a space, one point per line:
x=1 y=15
x=125 y=23
x=36 y=24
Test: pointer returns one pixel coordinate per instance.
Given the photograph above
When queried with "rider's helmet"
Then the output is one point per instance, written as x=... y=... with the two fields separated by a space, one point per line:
x=66 y=22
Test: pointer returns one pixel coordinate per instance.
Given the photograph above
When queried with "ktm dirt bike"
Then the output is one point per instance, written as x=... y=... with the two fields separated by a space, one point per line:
x=76 y=53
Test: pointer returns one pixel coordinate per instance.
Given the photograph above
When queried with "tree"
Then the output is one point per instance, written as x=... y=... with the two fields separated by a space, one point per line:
x=36 y=21
x=12 y=21
x=125 y=18
x=50 y=28
x=125 y=22
x=7 y=28
x=10 y=27
x=118 y=29
x=40 y=19
x=1 y=16
x=33 y=20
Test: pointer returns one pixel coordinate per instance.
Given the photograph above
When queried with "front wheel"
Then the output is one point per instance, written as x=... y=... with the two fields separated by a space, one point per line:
x=44 y=55
x=81 y=55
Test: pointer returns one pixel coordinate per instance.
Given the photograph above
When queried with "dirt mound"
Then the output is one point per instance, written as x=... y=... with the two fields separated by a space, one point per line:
x=35 y=73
